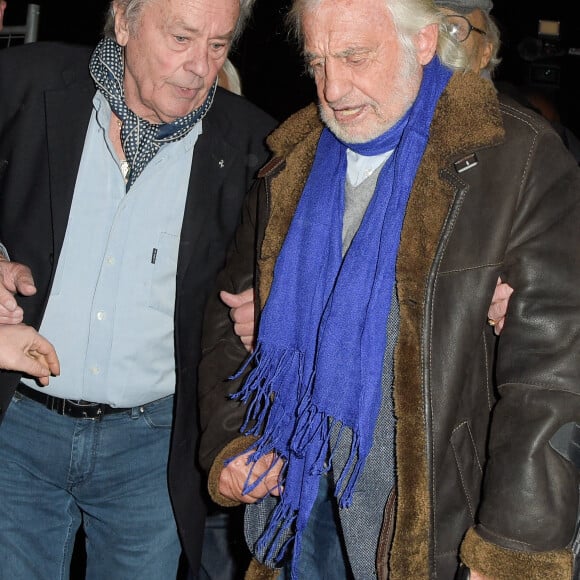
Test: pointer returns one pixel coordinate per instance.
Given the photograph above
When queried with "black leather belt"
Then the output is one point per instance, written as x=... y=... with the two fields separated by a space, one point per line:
x=77 y=409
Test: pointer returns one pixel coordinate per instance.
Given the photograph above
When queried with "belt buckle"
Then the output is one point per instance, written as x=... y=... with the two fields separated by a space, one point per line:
x=79 y=411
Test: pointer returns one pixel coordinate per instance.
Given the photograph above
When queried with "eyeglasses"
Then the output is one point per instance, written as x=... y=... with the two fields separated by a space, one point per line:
x=459 y=27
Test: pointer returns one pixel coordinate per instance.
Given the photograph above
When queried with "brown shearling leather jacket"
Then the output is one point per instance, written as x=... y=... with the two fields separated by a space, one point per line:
x=478 y=479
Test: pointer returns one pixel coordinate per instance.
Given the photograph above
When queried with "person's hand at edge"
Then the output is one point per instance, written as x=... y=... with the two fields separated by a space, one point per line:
x=15 y=278
x=242 y=315
x=499 y=305
x=23 y=349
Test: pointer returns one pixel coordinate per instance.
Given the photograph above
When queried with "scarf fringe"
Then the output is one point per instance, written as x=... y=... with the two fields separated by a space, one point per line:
x=307 y=441
x=350 y=472
x=273 y=366
x=270 y=420
x=275 y=541
x=314 y=425
x=249 y=487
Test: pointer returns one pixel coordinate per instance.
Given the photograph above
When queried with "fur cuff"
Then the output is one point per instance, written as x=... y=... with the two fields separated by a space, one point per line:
x=503 y=564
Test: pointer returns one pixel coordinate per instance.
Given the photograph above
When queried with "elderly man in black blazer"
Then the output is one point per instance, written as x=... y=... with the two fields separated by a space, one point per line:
x=122 y=174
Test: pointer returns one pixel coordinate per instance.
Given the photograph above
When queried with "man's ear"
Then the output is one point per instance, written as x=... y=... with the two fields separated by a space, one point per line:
x=485 y=55
x=426 y=43
x=121 y=28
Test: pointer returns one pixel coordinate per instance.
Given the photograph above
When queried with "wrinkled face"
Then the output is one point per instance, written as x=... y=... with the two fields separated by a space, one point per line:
x=477 y=47
x=174 y=54
x=364 y=78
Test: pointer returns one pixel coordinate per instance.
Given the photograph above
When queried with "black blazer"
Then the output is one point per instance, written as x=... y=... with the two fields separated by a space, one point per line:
x=45 y=104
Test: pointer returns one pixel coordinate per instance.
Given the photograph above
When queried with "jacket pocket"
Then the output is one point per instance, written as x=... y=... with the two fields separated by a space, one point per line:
x=469 y=467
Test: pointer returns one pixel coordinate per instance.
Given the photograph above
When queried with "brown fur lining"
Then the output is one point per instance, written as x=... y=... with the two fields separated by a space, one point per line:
x=427 y=210
x=490 y=559
x=257 y=571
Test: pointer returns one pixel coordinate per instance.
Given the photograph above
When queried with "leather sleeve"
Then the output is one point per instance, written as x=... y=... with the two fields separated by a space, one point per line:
x=529 y=499
x=222 y=351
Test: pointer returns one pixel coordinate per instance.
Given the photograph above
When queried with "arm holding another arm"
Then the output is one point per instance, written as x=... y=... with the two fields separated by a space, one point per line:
x=222 y=356
x=242 y=316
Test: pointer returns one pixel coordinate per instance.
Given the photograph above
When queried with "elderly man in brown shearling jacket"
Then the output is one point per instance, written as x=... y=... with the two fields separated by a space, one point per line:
x=375 y=237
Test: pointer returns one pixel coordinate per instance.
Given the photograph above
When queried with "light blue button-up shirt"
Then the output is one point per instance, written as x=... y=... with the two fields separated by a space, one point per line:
x=110 y=311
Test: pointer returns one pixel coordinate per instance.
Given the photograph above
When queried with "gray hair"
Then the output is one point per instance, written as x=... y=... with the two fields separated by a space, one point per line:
x=493 y=37
x=132 y=9
x=409 y=17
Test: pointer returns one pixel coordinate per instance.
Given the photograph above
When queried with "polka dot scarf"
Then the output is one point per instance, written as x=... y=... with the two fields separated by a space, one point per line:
x=140 y=139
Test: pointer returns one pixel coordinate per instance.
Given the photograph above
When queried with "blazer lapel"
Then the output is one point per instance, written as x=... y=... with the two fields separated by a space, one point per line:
x=212 y=158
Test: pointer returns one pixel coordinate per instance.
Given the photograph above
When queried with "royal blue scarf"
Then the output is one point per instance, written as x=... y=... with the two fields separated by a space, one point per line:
x=322 y=336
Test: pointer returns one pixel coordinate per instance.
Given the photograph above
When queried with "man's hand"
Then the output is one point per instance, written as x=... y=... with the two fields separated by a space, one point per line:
x=499 y=305
x=14 y=278
x=23 y=349
x=242 y=314
x=234 y=475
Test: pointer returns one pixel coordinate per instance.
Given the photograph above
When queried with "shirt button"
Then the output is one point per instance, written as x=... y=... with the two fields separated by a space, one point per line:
x=100 y=315
x=95 y=370
x=110 y=260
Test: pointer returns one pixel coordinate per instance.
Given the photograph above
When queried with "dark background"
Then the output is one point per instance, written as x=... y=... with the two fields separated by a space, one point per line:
x=272 y=72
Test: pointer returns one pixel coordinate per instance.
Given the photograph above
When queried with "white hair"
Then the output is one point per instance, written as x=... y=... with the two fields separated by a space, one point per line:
x=409 y=17
x=133 y=8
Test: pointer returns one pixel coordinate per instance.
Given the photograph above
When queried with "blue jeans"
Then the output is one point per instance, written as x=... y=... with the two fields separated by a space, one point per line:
x=225 y=555
x=108 y=475
x=323 y=556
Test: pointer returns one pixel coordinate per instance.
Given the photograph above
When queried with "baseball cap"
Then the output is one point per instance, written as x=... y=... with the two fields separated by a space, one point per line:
x=465 y=6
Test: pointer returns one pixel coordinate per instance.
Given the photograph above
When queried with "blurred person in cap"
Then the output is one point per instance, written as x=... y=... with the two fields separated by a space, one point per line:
x=470 y=23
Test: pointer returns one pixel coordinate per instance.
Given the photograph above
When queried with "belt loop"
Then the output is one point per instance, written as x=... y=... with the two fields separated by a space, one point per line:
x=136 y=412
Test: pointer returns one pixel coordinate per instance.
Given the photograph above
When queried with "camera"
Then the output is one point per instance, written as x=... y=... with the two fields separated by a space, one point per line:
x=544 y=53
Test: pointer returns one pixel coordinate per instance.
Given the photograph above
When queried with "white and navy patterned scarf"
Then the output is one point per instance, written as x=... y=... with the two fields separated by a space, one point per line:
x=140 y=139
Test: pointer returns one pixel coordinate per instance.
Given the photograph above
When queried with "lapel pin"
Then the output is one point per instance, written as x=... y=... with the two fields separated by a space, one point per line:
x=466 y=163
